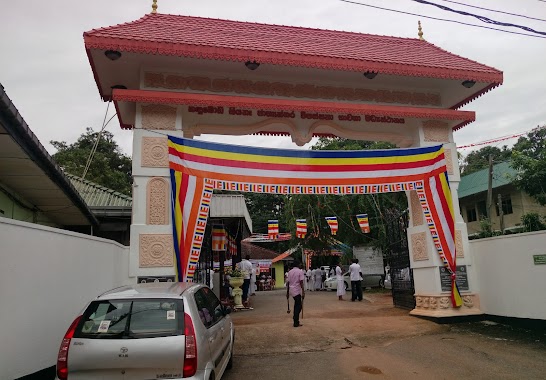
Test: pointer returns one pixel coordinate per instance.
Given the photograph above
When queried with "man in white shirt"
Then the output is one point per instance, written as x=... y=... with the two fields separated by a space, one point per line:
x=356 y=280
x=309 y=277
x=246 y=267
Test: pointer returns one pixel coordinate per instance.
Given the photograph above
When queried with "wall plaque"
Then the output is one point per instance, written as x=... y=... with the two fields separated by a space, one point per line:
x=462 y=278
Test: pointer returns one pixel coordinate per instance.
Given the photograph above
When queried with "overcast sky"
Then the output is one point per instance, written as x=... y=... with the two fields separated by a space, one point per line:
x=46 y=73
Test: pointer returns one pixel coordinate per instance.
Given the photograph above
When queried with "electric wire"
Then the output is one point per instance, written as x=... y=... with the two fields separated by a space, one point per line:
x=493 y=10
x=96 y=144
x=487 y=20
x=443 y=19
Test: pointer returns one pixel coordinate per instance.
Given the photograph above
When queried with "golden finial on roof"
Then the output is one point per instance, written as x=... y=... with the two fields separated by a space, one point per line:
x=154 y=6
x=420 y=33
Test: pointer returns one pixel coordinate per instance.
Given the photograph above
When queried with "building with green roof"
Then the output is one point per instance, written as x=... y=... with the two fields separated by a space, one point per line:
x=472 y=193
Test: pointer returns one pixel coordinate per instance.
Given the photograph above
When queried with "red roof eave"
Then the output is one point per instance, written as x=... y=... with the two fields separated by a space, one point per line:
x=288 y=59
x=205 y=100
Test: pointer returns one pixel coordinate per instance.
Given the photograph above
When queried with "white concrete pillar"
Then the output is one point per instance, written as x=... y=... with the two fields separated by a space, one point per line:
x=431 y=299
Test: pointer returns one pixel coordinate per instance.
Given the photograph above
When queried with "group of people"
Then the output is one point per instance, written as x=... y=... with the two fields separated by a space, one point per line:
x=314 y=278
x=298 y=280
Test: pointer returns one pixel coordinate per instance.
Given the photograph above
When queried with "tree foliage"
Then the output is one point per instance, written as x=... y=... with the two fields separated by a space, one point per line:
x=479 y=159
x=529 y=159
x=110 y=167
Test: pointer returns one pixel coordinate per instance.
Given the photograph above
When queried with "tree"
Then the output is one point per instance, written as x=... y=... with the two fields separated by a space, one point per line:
x=109 y=167
x=479 y=159
x=316 y=207
x=529 y=159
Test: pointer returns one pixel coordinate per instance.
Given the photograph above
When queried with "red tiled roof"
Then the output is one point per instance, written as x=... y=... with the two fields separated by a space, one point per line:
x=257 y=253
x=286 y=45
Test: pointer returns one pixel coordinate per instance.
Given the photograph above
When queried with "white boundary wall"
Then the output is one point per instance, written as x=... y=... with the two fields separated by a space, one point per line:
x=510 y=284
x=47 y=275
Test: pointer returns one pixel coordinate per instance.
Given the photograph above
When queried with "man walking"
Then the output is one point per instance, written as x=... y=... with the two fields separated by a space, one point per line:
x=356 y=280
x=294 y=288
x=246 y=267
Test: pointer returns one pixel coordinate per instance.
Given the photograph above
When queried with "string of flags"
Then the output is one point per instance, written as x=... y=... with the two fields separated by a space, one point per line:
x=301 y=226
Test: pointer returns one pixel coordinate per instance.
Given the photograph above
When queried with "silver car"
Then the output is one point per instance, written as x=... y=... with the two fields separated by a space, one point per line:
x=149 y=331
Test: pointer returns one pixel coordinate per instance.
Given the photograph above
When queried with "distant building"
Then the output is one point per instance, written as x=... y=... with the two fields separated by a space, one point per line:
x=515 y=202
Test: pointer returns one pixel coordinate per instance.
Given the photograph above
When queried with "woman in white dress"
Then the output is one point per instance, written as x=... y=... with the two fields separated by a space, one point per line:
x=340 y=282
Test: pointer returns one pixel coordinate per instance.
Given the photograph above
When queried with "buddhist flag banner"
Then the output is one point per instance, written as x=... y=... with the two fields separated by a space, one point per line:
x=232 y=247
x=332 y=222
x=363 y=223
x=219 y=238
x=301 y=228
x=200 y=167
x=273 y=229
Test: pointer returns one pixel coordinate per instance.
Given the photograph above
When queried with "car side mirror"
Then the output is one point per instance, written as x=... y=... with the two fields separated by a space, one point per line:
x=227 y=310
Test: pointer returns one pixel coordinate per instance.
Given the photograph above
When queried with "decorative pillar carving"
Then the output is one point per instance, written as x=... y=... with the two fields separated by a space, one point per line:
x=155 y=152
x=156 y=251
x=419 y=248
x=436 y=131
x=416 y=209
x=459 y=247
x=157 y=196
x=158 y=116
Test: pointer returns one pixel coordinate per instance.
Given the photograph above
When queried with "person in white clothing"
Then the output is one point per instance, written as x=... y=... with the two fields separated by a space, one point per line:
x=309 y=279
x=312 y=280
x=356 y=280
x=246 y=267
x=340 y=282
x=318 y=279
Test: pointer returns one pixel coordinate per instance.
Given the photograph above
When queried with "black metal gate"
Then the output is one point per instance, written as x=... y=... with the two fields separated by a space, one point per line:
x=397 y=256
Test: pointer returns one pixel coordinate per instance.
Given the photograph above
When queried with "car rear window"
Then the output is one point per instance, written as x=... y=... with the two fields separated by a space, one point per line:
x=119 y=319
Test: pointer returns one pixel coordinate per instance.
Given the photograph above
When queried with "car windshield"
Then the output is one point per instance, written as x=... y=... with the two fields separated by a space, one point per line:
x=120 y=319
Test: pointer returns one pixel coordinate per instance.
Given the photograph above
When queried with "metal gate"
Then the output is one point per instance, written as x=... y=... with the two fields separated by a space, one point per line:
x=398 y=259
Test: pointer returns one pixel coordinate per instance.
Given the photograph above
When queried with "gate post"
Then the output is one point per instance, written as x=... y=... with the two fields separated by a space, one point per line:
x=432 y=297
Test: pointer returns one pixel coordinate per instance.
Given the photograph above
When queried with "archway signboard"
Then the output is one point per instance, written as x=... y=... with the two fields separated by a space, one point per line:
x=198 y=168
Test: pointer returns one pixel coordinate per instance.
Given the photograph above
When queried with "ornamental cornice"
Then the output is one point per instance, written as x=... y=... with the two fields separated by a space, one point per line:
x=206 y=100
x=260 y=88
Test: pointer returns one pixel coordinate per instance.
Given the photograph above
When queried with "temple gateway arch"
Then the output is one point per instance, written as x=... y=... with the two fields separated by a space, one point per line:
x=173 y=78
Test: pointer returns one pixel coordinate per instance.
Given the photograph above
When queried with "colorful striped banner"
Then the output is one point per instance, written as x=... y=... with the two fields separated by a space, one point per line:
x=363 y=223
x=301 y=228
x=332 y=222
x=273 y=229
x=219 y=239
x=198 y=167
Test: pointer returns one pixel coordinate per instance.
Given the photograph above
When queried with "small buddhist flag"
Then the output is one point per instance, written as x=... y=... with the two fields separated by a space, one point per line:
x=219 y=239
x=231 y=247
x=363 y=223
x=332 y=222
x=301 y=228
x=273 y=229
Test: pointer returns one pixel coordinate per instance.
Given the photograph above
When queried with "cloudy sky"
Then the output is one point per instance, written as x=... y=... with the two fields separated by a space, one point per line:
x=45 y=71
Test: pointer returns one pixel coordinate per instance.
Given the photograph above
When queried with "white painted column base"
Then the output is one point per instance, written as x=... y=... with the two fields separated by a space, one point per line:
x=439 y=305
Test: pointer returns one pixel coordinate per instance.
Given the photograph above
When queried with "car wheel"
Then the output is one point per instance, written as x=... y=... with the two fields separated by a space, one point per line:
x=346 y=286
x=381 y=283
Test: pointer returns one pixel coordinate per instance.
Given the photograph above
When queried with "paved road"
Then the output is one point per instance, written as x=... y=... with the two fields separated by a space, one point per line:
x=373 y=340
